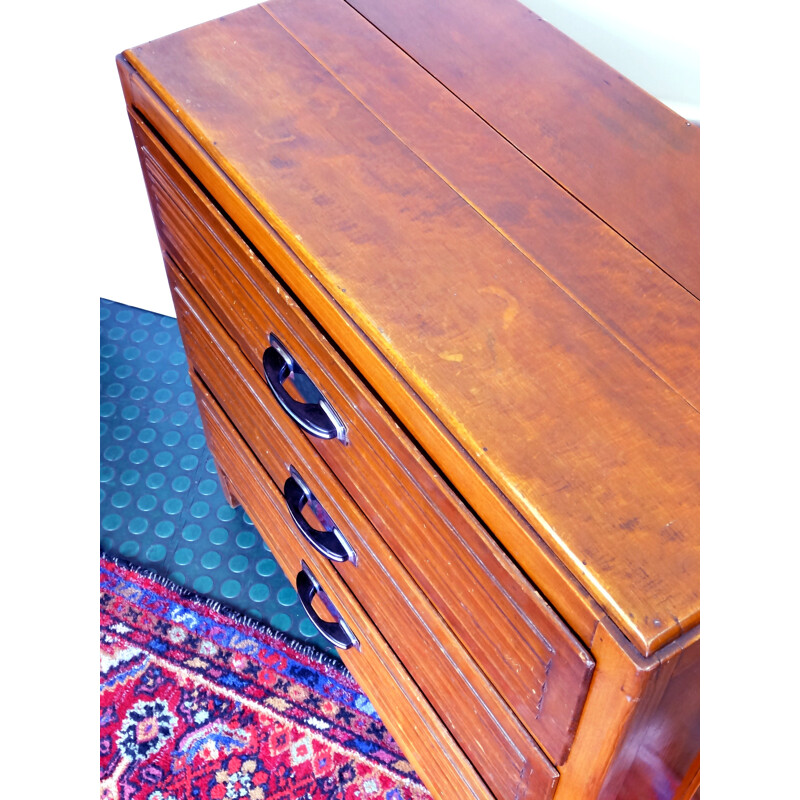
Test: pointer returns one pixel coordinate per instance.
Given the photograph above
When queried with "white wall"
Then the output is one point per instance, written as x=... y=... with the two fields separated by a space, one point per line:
x=133 y=272
x=655 y=45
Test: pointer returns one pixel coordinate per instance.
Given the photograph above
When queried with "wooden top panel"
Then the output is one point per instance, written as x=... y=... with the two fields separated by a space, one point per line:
x=596 y=451
x=642 y=306
x=626 y=156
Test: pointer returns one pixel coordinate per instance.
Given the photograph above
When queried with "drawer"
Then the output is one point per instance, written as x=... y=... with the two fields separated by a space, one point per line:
x=428 y=746
x=524 y=649
x=488 y=732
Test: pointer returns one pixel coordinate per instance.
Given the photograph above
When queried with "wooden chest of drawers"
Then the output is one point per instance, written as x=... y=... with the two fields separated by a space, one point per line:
x=435 y=268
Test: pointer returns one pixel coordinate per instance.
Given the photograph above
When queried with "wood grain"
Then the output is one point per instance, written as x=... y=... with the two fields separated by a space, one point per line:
x=530 y=551
x=643 y=307
x=614 y=493
x=623 y=154
x=496 y=743
x=461 y=570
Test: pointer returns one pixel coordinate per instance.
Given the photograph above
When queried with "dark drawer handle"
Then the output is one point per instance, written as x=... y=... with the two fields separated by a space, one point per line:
x=314 y=416
x=329 y=541
x=337 y=633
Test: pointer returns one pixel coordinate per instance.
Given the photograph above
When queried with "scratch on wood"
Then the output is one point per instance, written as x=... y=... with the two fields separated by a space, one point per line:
x=543 y=690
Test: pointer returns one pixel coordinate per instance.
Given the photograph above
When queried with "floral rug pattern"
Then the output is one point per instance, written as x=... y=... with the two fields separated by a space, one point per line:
x=197 y=702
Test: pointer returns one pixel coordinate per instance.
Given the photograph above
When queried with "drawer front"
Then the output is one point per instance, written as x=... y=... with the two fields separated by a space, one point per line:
x=524 y=649
x=490 y=735
x=410 y=719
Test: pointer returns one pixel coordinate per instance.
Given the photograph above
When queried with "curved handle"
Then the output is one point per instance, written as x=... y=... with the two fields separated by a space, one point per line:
x=329 y=541
x=337 y=633
x=315 y=417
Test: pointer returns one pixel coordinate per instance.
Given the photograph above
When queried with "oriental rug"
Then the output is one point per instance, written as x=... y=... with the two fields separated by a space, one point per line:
x=199 y=702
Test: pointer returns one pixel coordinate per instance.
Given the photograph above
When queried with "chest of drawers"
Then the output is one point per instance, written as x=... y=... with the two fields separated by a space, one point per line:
x=435 y=268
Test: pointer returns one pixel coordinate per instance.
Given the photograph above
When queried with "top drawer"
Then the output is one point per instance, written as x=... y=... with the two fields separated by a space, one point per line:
x=525 y=650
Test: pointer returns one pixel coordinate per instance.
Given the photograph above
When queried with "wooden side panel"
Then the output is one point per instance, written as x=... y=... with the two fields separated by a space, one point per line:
x=650 y=314
x=497 y=352
x=623 y=154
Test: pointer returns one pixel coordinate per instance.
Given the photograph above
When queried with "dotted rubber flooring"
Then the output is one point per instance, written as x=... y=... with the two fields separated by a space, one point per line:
x=161 y=505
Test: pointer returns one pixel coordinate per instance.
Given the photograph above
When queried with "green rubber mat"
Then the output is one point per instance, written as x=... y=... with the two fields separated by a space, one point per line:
x=161 y=505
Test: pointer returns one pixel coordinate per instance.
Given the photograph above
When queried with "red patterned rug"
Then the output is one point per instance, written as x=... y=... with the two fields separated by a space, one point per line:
x=197 y=703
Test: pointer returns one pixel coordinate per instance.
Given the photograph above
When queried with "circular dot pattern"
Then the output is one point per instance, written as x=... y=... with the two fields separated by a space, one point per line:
x=161 y=503
x=231 y=588
x=155 y=480
x=238 y=564
x=156 y=552
x=129 y=477
x=218 y=536
x=266 y=567
x=191 y=533
x=246 y=539
x=258 y=592
x=164 y=529
x=137 y=525
x=283 y=622
x=211 y=559
x=189 y=463
x=287 y=596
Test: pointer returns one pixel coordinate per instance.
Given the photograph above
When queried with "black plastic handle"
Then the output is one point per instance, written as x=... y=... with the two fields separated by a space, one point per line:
x=330 y=541
x=337 y=633
x=315 y=416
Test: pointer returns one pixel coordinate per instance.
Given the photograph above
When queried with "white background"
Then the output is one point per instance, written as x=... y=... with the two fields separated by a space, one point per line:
x=76 y=226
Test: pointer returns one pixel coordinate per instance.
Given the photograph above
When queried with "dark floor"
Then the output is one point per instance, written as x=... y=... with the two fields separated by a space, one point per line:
x=161 y=505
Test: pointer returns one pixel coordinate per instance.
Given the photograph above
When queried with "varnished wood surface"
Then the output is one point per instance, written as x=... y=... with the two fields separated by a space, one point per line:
x=638 y=728
x=626 y=156
x=615 y=492
x=641 y=724
x=646 y=309
x=460 y=568
x=426 y=743
x=531 y=552
x=494 y=740
x=663 y=744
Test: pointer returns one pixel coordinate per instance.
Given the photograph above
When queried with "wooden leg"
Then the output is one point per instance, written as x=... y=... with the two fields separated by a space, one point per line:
x=653 y=705
x=227 y=488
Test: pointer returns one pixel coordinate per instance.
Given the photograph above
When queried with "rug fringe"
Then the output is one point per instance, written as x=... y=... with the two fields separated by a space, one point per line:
x=308 y=650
